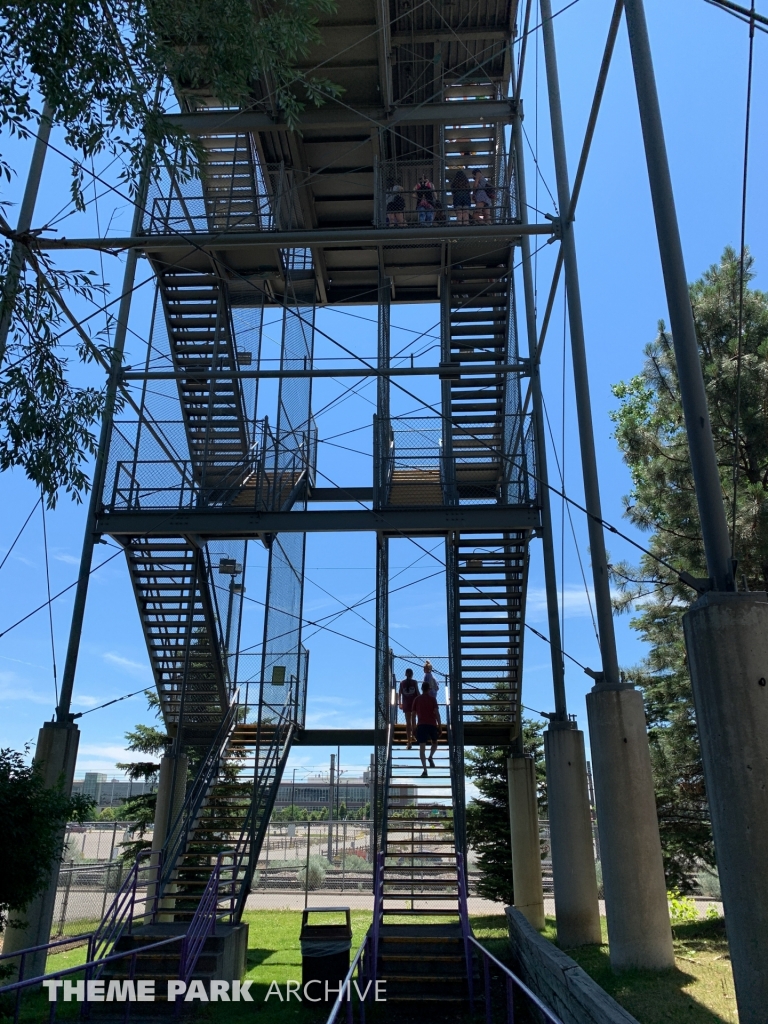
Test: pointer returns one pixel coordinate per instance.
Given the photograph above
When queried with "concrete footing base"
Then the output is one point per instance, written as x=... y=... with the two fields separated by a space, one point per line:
x=56 y=753
x=570 y=823
x=524 y=829
x=726 y=637
x=639 y=933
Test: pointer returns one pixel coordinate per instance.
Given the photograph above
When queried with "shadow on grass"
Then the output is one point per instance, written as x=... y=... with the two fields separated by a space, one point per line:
x=698 y=991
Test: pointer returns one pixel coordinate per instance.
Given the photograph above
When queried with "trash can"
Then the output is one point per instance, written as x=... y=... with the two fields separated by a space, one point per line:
x=325 y=952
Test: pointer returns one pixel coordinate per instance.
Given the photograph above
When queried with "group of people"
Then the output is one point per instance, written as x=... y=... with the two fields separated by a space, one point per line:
x=429 y=208
x=422 y=710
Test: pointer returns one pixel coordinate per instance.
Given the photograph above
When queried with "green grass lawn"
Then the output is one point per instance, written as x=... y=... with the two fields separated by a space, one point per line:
x=698 y=991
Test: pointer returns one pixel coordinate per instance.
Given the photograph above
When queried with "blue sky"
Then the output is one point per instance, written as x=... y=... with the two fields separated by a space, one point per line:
x=700 y=55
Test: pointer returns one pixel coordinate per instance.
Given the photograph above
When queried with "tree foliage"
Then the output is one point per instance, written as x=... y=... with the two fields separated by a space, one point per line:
x=32 y=837
x=140 y=810
x=488 y=814
x=651 y=434
x=109 y=70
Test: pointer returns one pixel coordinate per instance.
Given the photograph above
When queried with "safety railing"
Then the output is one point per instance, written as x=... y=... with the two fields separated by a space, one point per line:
x=208 y=912
x=363 y=984
x=120 y=915
x=466 y=931
x=378 y=883
x=511 y=983
x=22 y=955
x=186 y=819
x=269 y=764
x=267 y=199
x=79 y=988
x=401 y=207
x=269 y=478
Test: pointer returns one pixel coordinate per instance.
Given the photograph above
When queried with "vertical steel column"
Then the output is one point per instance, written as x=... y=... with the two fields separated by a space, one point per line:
x=580 y=372
x=99 y=472
x=725 y=631
x=633 y=871
x=24 y=223
x=542 y=482
x=709 y=490
x=573 y=863
x=383 y=679
x=383 y=661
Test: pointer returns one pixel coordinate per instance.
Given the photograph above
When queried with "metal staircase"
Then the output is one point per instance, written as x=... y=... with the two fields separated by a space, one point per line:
x=490 y=585
x=478 y=337
x=226 y=811
x=419 y=877
x=203 y=353
x=171 y=583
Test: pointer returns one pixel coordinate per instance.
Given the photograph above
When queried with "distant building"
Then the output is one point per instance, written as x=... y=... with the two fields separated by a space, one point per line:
x=110 y=792
x=313 y=794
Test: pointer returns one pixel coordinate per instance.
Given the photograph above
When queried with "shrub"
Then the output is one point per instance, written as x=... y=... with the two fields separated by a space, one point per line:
x=317 y=869
x=709 y=882
x=681 y=908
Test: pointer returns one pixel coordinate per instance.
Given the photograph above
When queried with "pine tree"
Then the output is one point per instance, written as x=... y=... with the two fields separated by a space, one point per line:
x=651 y=435
x=488 y=816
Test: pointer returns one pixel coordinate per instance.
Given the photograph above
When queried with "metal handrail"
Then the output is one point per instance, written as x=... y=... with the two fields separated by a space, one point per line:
x=118 y=919
x=466 y=931
x=511 y=980
x=272 y=767
x=346 y=985
x=187 y=816
x=203 y=923
x=88 y=967
x=378 y=896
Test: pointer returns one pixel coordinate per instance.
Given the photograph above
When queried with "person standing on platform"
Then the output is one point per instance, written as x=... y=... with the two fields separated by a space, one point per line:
x=409 y=691
x=427 y=714
x=429 y=678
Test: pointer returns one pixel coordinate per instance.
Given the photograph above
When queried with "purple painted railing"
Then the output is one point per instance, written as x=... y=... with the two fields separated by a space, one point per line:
x=366 y=981
x=378 y=900
x=119 y=917
x=203 y=923
x=511 y=982
x=466 y=931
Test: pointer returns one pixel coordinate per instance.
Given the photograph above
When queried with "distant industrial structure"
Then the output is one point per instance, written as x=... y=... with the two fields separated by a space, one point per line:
x=111 y=792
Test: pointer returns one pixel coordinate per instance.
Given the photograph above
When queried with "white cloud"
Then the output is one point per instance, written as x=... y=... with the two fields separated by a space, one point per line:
x=134 y=667
x=69 y=559
x=575 y=601
x=13 y=688
x=102 y=757
x=85 y=701
x=331 y=718
x=343 y=701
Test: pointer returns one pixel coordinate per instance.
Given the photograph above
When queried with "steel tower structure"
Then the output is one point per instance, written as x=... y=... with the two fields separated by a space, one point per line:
x=293 y=219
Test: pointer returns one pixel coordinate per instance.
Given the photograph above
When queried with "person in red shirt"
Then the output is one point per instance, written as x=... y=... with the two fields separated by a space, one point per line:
x=427 y=713
x=409 y=691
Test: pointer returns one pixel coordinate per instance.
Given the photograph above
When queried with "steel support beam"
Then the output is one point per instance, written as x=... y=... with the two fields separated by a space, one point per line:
x=639 y=933
x=328 y=238
x=26 y=212
x=725 y=631
x=445 y=370
x=242 y=523
x=331 y=118
x=706 y=476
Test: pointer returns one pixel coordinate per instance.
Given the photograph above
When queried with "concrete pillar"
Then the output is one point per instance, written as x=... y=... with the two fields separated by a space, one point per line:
x=171 y=788
x=570 y=828
x=56 y=753
x=524 y=828
x=639 y=933
x=726 y=636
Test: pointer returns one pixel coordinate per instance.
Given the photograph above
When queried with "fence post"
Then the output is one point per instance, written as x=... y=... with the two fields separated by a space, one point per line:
x=65 y=899
x=306 y=869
